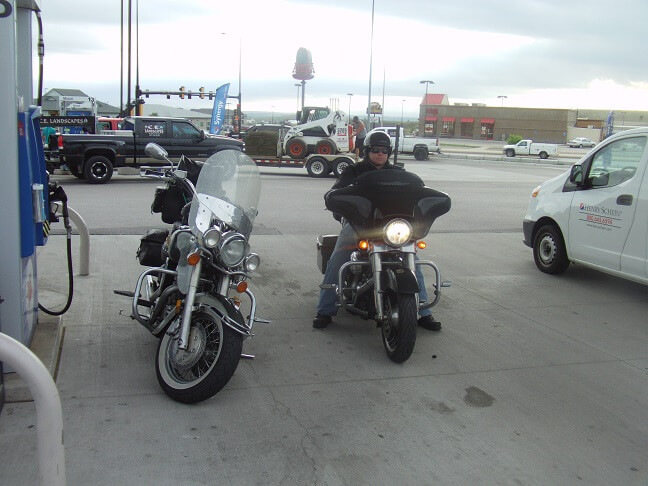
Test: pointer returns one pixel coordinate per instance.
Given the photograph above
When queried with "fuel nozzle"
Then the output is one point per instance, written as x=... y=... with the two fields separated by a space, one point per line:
x=58 y=195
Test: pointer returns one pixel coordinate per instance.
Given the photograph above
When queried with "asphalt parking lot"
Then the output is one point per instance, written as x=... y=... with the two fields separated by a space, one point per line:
x=534 y=379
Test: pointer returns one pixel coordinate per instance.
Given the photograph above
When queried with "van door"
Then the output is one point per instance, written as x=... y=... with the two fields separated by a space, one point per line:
x=603 y=212
x=634 y=260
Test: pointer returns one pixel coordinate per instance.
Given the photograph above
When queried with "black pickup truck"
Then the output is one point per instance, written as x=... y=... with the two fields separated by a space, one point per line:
x=93 y=157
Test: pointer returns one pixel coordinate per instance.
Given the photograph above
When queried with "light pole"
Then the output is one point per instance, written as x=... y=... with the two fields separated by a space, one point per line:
x=349 y=112
x=427 y=83
x=370 y=61
x=239 y=113
x=502 y=98
x=297 y=112
x=402 y=103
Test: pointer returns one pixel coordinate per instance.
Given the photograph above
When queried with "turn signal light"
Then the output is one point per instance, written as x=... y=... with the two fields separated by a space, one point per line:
x=363 y=244
x=178 y=306
x=421 y=244
x=241 y=287
x=193 y=258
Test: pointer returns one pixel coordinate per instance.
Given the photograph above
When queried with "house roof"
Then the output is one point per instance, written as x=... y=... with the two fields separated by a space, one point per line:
x=435 y=99
x=67 y=92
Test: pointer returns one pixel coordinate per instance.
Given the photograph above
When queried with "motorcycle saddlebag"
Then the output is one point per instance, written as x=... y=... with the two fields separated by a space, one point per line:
x=168 y=201
x=325 y=246
x=149 y=252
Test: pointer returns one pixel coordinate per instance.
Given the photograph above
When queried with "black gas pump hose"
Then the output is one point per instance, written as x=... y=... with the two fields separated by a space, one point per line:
x=59 y=195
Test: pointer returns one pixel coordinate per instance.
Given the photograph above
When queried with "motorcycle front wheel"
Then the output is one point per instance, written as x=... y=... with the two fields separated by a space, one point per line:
x=205 y=367
x=399 y=326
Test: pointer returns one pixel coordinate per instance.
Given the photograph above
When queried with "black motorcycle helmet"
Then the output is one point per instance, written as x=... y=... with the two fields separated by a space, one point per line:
x=377 y=139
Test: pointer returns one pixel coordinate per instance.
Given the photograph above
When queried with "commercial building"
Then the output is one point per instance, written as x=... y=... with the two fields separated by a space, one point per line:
x=437 y=117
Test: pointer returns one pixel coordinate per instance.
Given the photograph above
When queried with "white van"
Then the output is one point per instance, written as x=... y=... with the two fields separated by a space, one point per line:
x=595 y=214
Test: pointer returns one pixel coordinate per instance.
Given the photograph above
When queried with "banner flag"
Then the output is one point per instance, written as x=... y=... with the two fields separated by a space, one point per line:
x=609 y=125
x=218 y=112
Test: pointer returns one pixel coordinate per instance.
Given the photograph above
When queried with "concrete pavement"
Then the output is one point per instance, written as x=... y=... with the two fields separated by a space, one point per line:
x=533 y=380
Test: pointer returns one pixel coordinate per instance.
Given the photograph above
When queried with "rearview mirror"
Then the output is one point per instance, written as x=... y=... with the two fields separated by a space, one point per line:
x=155 y=151
x=576 y=175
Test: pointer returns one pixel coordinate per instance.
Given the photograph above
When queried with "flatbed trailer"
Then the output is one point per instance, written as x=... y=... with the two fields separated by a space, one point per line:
x=317 y=165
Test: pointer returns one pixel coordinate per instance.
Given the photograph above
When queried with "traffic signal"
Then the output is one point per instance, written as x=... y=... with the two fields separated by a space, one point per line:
x=202 y=92
x=182 y=92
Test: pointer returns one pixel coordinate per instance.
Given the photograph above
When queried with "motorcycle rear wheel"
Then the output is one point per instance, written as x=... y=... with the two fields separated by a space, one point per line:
x=399 y=329
x=206 y=366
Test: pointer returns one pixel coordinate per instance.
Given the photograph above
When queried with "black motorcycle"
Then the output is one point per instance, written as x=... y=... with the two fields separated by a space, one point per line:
x=189 y=298
x=390 y=211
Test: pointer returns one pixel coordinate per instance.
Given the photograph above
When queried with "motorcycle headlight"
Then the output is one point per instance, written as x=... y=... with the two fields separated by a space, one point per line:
x=233 y=249
x=252 y=262
x=397 y=232
x=212 y=237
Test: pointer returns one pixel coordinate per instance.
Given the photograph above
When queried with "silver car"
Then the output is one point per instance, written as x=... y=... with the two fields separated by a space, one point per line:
x=581 y=142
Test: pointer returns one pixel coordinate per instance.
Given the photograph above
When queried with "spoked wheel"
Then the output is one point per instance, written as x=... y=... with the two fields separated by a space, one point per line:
x=399 y=327
x=204 y=368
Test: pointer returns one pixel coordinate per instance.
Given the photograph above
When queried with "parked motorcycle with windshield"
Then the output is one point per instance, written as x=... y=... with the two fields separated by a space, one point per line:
x=390 y=212
x=190 y=297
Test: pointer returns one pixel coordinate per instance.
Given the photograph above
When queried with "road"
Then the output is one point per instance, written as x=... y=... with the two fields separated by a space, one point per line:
x=486 y=196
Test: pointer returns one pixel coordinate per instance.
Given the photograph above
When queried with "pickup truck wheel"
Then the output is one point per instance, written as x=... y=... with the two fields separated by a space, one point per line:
x=543 y=155
x=75 y=170
x=98 y=169
x=325 y=147
x=420 y=153
x=549 y=250
x=510 y=153
x=339 y=165
x=318 y=167
x=297 y=148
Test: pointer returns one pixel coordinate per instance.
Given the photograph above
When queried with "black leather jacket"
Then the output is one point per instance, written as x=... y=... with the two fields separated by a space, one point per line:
x=351 y=172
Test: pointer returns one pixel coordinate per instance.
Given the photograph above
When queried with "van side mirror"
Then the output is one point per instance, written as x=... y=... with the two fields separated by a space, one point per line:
x=576 y=175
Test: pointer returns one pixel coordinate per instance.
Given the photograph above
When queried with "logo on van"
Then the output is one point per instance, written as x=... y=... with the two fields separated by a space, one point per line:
x=613 y=213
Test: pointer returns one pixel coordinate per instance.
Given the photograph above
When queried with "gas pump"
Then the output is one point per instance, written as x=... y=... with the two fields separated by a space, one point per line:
x=24 y=181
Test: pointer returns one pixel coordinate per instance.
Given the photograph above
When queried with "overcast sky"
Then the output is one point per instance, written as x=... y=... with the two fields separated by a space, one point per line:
x=537 y=53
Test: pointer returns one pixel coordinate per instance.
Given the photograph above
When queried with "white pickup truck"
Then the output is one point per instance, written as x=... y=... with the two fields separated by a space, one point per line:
x=528 y=147
x=596 y=213
x=419 y=146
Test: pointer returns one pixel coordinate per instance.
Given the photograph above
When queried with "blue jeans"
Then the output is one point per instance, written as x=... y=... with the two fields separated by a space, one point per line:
x=345 y=245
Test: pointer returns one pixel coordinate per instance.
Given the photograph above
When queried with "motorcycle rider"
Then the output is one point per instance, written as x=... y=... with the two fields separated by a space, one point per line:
x=377 y=149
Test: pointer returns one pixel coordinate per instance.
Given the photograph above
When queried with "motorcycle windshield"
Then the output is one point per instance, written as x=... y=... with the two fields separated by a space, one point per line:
x=228 y=189
x=378 y=196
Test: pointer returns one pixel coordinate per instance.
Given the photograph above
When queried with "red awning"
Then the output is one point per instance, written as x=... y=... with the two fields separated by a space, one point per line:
x=467 y=120
x=430 y=118
x=488 y=121
x=448 y=118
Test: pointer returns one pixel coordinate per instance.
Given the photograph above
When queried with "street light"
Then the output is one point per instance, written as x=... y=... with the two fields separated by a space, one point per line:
x=238 y=108
x=502 y=98
x=349 y=112
x=427 y=83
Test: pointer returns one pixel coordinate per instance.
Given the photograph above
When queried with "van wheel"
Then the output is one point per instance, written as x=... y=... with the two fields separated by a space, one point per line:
x=543 y=155
x=98 y=169
x=318 y=167
x=510 y=152
x=420 y=153
x=549 y=250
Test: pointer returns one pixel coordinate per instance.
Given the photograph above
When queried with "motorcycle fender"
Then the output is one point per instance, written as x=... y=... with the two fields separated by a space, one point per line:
x=222 y=305
x=401 y=280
